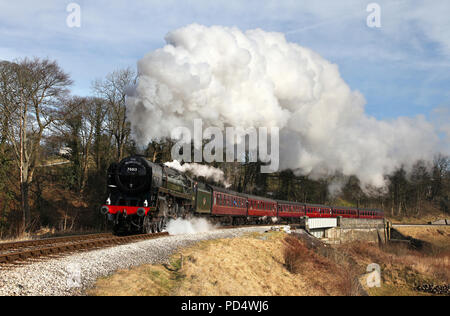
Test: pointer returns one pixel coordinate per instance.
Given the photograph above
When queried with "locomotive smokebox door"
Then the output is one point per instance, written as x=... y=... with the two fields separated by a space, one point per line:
x=134 y=175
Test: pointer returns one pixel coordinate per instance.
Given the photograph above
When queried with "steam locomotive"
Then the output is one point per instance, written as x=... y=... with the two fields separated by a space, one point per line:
x=143 y=196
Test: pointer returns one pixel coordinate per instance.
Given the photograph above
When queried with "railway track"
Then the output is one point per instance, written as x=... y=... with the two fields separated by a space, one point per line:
x=12 y=253
x=23 y=251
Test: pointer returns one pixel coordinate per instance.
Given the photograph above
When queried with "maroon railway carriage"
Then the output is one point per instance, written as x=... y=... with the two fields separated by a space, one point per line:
x=261 y=207
x=287 y=209
x=317 y=210
x=346 y=212
x=228 y=203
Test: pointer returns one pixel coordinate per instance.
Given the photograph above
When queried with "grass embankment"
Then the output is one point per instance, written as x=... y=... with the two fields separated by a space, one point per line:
x=438 y=236
x=276 y=264
x=430 y=216
x=251 y=265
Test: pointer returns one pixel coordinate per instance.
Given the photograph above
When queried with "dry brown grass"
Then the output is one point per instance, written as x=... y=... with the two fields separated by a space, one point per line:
x=275 y=264
x=247 y=266
x=296 y=254
x=428 y=214
x=325 y=267
x=141 y=281
x=254 y=265
x=438 y=236
x=242 y=266
x=402 y=268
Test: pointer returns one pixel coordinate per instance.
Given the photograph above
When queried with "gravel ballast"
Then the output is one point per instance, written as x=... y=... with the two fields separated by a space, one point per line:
x=73 y=274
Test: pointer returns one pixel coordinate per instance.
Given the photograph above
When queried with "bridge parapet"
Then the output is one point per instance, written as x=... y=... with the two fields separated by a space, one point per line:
x=339 y=230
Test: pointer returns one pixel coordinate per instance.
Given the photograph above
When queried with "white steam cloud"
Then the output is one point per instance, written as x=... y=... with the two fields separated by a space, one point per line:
x=255 y=78
x=199 y=170
x=181 y=226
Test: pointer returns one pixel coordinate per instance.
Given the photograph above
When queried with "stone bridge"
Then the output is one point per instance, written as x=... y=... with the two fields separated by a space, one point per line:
x=342 y=230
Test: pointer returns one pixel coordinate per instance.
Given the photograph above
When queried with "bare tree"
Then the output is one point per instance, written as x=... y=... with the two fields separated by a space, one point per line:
x=114 y=90
x=6 y=78
x=80 y=128
x=31 y=94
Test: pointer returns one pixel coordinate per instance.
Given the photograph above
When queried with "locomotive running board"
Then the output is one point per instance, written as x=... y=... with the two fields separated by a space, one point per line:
x=176 y=194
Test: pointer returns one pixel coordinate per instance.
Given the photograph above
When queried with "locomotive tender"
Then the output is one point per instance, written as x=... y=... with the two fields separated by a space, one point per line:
x=143 y=196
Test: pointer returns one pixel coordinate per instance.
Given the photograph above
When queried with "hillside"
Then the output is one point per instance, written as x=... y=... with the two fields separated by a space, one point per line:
x=275 y=264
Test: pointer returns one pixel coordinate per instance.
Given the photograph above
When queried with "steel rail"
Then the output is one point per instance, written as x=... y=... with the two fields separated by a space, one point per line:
x=78 y=245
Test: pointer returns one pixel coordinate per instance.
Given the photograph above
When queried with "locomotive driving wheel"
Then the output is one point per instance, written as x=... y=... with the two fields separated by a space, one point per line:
x=147 y=225
x=161 y=224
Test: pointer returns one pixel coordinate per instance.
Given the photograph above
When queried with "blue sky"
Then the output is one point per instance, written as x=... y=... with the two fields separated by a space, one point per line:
x=402 y=68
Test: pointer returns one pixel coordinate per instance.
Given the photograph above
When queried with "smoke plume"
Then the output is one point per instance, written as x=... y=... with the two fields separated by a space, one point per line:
x=199 y=170
x=228 y=77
